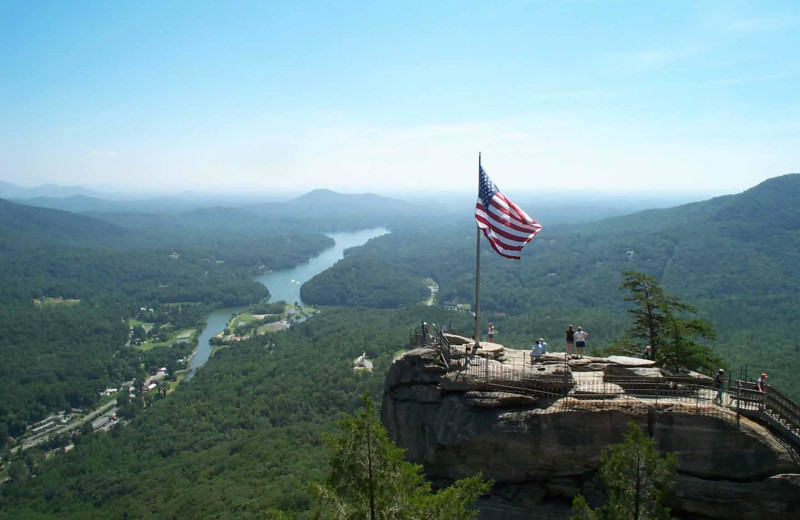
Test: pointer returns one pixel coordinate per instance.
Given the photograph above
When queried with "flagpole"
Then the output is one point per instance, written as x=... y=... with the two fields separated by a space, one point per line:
x=478 y=272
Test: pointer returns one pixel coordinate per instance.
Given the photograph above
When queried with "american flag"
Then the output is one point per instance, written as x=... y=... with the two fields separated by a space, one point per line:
x=504 y=224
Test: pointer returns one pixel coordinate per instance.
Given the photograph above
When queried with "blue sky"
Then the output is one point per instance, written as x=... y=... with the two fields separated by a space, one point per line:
x=397 y=96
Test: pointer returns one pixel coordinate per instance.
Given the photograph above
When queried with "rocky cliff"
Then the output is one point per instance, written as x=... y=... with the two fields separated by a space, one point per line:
x=542 y=448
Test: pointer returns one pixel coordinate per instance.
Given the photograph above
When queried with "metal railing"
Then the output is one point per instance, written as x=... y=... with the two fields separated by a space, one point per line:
x=783 y=409
x=570 y=393
x=769 y=406
x=468 y=371
x=433 y=337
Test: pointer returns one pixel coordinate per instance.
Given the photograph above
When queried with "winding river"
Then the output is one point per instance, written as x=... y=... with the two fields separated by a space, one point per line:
x=283 y=285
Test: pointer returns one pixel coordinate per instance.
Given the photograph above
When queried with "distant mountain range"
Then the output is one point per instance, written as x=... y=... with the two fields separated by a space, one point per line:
x=87 y=204
x=12 y=191
x=324 y=203
x=28 y=225
x=316 y=204
x=82 y=219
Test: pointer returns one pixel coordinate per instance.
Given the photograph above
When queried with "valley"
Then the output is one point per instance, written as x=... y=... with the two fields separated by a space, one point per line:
x=229 y=434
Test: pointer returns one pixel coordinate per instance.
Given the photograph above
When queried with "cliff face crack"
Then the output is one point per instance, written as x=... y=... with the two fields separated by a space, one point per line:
x=755 y=479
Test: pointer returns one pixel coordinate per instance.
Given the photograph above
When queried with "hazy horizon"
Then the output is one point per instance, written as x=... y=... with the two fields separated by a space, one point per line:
x=228 y=192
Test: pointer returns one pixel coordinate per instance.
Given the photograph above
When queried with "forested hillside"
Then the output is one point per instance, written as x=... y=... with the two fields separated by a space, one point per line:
x=243 y=437
x=70 y=283
x=27 y=225
x=735 y=257
x=365 y=281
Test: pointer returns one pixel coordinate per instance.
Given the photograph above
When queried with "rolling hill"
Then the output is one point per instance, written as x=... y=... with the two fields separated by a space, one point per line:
x=322 y=203
x=28 y=225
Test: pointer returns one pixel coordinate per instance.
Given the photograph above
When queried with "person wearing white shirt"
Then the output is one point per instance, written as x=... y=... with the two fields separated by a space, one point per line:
x=580 y=340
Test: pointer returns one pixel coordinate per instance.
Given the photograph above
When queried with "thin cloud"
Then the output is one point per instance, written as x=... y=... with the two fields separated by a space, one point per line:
x=644 y=60
x=762 y=24
x=748 y=79
x=96 y=121
x=574 y=94
x=102 y=154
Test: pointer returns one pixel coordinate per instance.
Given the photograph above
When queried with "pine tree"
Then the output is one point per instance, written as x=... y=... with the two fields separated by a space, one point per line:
x=636 y=478
x=658 y=321
x=370 y=479
x=648 y=303
x=679 y=349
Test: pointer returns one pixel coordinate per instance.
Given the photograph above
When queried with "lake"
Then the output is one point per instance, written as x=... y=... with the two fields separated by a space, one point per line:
x=283 y=285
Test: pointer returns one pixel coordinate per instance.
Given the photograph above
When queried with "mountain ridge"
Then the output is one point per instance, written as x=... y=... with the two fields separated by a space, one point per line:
x=20 y=224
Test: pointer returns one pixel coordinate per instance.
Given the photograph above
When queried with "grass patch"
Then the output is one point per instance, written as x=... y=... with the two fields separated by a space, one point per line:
x=133 y=322
x=180 y=375
x=272 y=327
x=172 y=337
x=241 y=318
x=55 y=301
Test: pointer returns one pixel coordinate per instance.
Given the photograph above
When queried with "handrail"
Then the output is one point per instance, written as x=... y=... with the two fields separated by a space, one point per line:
x=782 y=405
x=437 y=340
x=780 y=410
x=443 y=347
x=770 y=407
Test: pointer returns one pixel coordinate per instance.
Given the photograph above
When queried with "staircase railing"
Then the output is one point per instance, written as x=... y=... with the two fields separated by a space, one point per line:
x=769 y=406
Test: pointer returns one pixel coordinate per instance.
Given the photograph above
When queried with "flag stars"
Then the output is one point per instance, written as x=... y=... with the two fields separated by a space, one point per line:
x=487 y=189
x=505 y=225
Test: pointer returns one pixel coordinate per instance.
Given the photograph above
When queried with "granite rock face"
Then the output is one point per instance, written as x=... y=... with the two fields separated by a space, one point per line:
x=541 y=453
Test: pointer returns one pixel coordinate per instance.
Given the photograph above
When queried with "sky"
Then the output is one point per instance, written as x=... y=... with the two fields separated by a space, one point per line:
x=384 y=97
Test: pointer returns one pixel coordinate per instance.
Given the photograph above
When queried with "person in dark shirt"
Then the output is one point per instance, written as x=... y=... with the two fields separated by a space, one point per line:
x=570 y=340
x=719 y=382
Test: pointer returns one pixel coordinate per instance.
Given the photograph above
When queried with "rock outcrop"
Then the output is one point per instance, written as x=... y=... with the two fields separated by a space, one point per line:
x=543 y=449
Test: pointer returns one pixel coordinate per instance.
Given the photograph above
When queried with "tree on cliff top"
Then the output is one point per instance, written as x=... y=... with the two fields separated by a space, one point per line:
x=370 y=479
x=636 y=478
x=657 y=322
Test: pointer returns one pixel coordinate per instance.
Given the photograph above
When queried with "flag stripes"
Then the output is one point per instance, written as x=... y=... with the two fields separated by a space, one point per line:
x=504 y=224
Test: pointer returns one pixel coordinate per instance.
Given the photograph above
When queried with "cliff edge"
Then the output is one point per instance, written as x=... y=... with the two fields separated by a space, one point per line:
x=538 y=431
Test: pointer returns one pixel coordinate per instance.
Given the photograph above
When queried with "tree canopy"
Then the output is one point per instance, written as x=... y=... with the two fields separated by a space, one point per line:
x=658 y=321
x=370 y=479
x=636 y=478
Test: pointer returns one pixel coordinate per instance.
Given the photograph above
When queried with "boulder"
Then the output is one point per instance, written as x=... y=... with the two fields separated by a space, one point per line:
x=455 y=339
x=628 y=361
x=615 y=370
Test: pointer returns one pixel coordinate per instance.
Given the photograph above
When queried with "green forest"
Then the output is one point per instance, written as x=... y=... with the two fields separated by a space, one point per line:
x=246 y=436
x=361 y=280
x=69 y=283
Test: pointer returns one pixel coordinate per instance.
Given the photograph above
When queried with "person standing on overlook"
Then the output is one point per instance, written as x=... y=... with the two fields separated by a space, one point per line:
x=761 y=382
x=490 y=333
x=570 y=340
x=537 y=350
x=580 y=340
x=719 y=382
